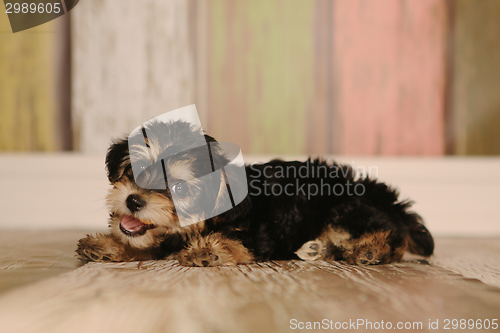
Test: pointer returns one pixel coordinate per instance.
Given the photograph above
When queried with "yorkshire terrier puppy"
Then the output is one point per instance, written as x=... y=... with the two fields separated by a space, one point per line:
x=312 y=210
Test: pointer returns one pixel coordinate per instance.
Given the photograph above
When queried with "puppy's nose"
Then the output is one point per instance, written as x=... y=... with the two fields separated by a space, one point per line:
x=135 y=203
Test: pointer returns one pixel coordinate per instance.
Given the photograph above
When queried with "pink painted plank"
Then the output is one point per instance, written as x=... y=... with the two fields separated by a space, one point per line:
x=389 y=71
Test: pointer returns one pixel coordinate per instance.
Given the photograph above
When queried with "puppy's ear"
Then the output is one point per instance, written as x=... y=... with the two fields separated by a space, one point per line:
x=116 y=160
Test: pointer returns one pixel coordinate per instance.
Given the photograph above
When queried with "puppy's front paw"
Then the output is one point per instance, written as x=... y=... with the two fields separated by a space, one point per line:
x=214 y=250
x=200 y=257
x=98 y=248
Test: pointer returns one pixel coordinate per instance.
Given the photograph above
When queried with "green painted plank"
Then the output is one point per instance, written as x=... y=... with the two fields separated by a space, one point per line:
x=261 y=73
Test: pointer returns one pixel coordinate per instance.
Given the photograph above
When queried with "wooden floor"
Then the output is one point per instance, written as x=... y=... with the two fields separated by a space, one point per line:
x=43 y=289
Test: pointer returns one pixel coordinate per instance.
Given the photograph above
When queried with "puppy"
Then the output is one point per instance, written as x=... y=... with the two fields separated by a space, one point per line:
x=313 y=210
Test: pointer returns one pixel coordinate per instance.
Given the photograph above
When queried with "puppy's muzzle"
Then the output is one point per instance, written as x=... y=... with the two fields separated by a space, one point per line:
x=129 y=224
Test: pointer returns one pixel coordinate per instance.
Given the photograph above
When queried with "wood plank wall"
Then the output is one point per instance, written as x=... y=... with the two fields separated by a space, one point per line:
x=474 y=127
x=132 y=60
x=261 y=73
x=345 y=77
x=34 y=87
x=389 y=72
x=385 y=77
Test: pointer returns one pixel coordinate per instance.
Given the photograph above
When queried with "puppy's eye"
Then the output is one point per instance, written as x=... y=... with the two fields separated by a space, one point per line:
x=180 y=189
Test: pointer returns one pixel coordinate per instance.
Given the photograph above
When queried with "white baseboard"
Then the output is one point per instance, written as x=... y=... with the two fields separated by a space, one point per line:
x=53 y=191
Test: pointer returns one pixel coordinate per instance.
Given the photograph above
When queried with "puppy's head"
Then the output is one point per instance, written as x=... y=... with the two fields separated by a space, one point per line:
x=160 y=182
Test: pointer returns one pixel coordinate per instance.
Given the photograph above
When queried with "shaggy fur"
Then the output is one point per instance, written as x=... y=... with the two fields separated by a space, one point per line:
x=370 y=226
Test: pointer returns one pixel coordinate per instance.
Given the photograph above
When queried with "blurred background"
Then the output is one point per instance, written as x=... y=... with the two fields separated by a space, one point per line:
x=358 y=77
x=410 y=87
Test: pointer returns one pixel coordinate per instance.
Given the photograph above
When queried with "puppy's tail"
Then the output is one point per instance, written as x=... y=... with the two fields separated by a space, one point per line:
x=419 y=238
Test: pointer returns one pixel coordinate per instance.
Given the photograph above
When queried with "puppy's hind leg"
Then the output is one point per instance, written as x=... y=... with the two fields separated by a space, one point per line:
x=372 y=248
x=369 y=249
x=313 y=250
x=328 y=246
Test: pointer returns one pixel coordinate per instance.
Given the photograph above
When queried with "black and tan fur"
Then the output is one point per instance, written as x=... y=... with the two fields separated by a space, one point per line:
x=372 y=228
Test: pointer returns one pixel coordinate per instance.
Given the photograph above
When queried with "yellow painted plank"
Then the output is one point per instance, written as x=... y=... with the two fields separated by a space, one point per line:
x=475 y=98
x=27 y=81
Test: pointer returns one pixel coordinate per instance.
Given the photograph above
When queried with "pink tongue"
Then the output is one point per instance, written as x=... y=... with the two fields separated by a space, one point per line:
x=130 y=223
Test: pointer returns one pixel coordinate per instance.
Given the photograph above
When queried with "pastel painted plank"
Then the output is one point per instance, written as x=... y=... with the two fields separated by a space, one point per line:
x=261 y=75
x=34 y=105
x=389 y=72
x=475 y=113
x=131 y=62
